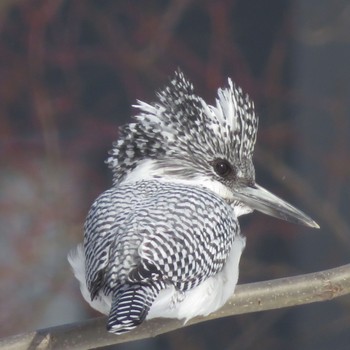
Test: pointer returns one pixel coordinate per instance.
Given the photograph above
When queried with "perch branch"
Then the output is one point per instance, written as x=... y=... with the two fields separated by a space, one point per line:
x=252 y=297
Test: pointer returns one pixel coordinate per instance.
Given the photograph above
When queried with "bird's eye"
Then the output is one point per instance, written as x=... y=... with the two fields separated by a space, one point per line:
x=222 y=167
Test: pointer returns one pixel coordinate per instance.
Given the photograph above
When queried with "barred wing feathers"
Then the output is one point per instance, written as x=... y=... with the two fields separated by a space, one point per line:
x=144 y=237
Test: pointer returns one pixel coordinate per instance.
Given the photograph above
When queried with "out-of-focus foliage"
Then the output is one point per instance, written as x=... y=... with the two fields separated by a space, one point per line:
x=70 y=71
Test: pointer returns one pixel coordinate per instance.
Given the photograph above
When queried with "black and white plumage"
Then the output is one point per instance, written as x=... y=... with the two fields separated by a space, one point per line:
x=165 y=241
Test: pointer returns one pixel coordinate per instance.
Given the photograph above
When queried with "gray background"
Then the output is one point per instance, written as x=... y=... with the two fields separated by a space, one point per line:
x=70 y=71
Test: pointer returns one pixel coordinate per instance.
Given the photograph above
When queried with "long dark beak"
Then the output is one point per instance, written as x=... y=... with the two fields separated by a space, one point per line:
x=258 y=198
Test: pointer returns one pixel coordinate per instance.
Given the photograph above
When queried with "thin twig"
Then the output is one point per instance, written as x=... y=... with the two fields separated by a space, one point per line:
x=323 y=208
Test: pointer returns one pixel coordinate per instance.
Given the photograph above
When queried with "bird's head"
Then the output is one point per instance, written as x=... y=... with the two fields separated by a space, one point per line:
x=180 y=138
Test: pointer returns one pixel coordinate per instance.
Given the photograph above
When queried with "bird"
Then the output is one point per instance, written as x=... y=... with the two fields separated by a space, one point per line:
x=164 y=240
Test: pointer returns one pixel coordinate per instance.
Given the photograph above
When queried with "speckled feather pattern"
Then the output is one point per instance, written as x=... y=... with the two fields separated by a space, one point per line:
x=156 y=234
x=165 y=241
x=181 y=128
x=153 y=230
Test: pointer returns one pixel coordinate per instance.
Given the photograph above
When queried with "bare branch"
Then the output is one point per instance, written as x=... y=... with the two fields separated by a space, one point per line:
x=267 y=295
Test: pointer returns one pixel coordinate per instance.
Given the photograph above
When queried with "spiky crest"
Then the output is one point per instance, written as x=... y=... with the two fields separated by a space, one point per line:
x=181 y=130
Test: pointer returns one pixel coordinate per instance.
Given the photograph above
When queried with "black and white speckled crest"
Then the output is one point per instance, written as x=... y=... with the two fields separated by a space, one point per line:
x=182 y=133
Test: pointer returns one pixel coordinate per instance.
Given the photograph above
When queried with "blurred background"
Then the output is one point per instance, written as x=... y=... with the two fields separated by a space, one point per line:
x=69 y=73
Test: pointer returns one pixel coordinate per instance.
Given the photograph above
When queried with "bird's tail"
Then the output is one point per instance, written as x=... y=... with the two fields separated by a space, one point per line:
x=130 y=306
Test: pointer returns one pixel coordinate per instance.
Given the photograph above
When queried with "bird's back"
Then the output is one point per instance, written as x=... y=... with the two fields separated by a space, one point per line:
x=155 y=235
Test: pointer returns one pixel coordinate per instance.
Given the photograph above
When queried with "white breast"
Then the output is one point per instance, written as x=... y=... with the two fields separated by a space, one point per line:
x=209 y=296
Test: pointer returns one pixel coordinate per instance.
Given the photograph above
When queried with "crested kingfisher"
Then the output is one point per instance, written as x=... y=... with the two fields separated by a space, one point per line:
x=164 y=240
